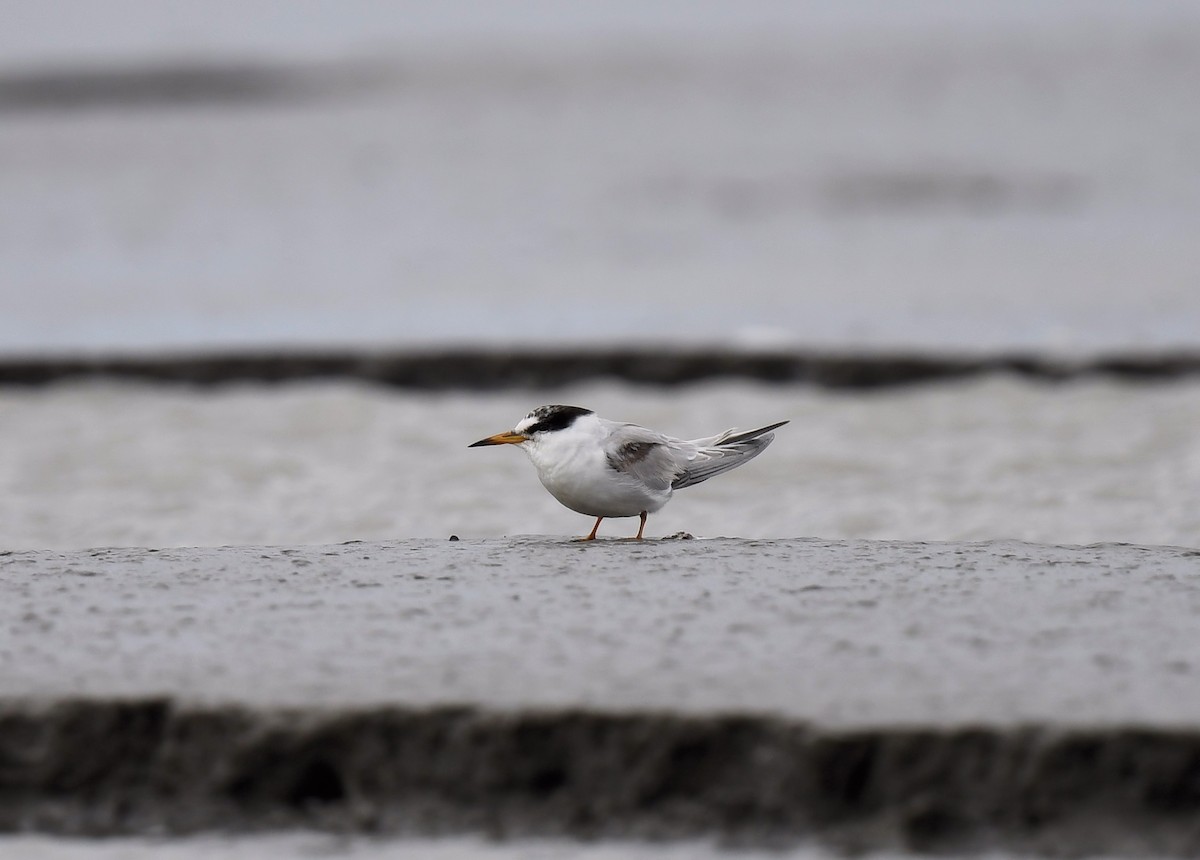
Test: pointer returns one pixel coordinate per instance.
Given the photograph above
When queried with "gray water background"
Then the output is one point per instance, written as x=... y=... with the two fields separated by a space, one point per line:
x=863 y=175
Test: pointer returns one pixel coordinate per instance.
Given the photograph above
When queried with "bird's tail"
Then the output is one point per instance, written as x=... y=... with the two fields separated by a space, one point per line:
x=725 y=451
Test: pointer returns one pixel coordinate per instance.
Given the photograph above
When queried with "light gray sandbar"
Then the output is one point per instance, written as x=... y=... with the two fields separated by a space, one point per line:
x=879 y=694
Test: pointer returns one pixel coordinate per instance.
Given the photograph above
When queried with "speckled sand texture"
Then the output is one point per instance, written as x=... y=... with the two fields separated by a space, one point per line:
x=854 y=632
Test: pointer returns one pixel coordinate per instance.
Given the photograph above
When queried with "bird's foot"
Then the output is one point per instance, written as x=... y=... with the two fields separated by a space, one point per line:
x=595 y=529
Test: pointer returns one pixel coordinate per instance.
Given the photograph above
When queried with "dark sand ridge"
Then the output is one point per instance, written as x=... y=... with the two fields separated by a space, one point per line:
x=930 y=696
x=486 y=368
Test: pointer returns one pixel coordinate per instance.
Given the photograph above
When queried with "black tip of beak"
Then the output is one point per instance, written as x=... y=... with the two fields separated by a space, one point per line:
x=506 y=438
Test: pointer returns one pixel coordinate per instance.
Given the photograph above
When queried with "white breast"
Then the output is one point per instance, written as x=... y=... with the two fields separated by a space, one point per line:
x=572 y=465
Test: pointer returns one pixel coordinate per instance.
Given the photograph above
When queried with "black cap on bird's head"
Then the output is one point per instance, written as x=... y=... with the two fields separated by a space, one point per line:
x=544 y=419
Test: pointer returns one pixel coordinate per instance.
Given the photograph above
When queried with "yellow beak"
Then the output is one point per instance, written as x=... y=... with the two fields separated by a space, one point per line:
x=508 y=437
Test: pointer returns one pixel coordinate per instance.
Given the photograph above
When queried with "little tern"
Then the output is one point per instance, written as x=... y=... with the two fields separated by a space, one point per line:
x=609 y=469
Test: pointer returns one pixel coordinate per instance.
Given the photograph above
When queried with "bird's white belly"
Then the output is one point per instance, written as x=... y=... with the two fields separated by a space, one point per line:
x=584 y=482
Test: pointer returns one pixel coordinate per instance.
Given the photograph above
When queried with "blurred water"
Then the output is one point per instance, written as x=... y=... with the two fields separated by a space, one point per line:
x=121 y=30
x=935 y=174
x=102 y=464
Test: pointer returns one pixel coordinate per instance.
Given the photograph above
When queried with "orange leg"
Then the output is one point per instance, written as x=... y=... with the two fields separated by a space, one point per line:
x=595 y=529
x=641 y=527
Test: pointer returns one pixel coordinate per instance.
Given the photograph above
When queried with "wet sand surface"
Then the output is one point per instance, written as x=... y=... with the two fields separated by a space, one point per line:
x=317 y=846
x=956 y=696
x=839 y=633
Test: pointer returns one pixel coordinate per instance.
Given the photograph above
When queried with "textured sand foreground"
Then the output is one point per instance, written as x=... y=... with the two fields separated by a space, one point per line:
x=319 y=845
x=910 y=695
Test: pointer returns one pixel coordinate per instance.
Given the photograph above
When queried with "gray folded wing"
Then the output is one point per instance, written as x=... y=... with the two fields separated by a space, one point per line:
x=643 y=455
x=661 y=462
x=716 y=454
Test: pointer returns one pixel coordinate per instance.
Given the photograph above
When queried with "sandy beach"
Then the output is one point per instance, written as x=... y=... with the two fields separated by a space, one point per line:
x=753 y=690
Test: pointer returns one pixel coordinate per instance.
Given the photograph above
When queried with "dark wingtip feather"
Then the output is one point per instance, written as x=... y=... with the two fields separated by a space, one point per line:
x=750 y=434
